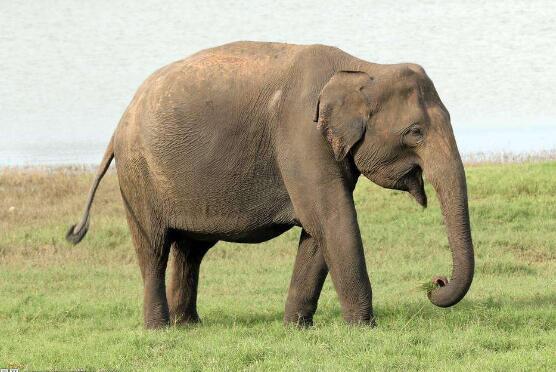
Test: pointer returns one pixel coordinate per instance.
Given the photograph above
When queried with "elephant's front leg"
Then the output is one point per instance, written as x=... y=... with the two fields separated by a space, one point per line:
x=331 y=220
x=344 y=256
x=309 y=273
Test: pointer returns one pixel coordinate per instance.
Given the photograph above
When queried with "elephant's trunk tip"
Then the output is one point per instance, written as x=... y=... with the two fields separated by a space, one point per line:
x=447 y=293
x=440 y=281
x=437 y=282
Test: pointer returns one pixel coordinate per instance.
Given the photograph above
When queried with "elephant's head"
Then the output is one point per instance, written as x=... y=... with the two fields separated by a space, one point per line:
x=396 y=129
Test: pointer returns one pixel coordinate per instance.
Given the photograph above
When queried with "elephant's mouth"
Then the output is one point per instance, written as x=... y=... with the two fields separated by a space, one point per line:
x=412 y=182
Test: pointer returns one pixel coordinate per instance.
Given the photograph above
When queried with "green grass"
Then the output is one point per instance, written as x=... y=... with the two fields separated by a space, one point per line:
x=65 y=307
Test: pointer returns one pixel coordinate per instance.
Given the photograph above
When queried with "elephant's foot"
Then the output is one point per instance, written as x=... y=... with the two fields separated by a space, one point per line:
x=358 y=318
x=156 y=317
x=298 y=320
x=155 y=305
x=184 y=319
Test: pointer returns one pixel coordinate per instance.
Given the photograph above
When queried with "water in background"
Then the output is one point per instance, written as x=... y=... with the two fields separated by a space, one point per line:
x=68 y=69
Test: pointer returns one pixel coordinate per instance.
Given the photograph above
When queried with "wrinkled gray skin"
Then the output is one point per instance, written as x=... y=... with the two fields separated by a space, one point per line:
x=244 y=141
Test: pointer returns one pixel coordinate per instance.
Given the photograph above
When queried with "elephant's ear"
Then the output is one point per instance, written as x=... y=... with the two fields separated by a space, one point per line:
x=343 y=110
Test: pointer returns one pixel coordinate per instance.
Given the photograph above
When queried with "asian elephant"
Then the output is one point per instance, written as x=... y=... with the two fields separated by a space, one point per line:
x=244 y=141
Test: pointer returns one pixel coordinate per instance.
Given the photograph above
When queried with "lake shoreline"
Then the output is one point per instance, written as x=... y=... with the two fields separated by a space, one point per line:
x=471 y=159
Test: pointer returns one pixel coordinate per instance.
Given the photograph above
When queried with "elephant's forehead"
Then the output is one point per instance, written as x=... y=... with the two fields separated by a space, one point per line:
x=436 y=113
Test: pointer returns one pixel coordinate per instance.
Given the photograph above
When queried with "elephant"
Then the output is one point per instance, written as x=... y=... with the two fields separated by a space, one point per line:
x=243 y=141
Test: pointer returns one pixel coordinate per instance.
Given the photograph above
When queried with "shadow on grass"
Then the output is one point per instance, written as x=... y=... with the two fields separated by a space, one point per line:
x=534 y=301
x=514 y=312
x=461 y=314
x=241 y=319
x=395 y=313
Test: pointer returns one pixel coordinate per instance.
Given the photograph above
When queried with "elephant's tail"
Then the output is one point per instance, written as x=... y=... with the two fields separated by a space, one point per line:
x=77 y=232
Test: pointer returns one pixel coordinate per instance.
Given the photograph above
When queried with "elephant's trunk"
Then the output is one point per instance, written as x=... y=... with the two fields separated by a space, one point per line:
x=447 y=176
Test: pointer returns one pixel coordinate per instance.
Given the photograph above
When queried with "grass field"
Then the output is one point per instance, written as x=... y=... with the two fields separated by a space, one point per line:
x=67 y=307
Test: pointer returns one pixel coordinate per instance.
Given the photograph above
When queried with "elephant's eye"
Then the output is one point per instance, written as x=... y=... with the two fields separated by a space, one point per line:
x=416 y=131
x=413 y=135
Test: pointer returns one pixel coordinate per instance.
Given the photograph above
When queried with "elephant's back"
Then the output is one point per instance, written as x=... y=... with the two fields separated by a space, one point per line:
x=212 y=92
x=228 y=66
x=220 y=104
x=252 y=57
x=201 y=131
x=222 y=93
x=202 y=127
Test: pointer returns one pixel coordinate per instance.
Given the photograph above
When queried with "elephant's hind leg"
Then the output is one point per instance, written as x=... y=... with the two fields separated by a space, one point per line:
x=184 y=279
x=309 y=273
x=152 y=247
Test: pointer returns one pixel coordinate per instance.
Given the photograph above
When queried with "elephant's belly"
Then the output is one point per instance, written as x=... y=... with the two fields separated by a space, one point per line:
x=251 y=216
x=258 y=235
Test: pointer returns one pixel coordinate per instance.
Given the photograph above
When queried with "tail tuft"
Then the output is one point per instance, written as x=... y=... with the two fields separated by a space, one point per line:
x=75 y=237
